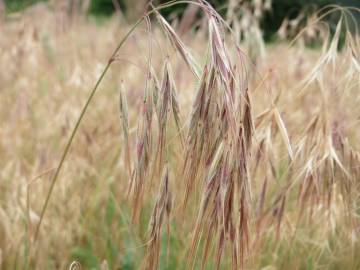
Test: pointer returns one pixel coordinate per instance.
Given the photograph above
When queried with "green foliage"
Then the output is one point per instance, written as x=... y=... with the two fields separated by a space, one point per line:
x=86 y=256
x=104 y=7
x=290 y=9
x=270 y=23
x=17 y=5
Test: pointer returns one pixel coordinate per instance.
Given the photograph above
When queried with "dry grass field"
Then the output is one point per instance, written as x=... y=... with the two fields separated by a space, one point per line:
x=194 y=153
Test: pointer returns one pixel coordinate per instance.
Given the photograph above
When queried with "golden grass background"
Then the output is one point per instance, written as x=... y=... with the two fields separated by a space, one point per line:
x=303 y=212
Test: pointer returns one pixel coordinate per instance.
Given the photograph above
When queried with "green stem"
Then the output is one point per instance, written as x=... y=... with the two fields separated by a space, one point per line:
x=66 y=150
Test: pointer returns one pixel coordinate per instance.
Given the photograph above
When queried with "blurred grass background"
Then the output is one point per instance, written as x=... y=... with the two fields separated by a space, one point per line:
x=270 y=23
x=99 y=222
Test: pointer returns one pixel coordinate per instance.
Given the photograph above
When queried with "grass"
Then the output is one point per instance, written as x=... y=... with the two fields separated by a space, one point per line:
x=190 y=157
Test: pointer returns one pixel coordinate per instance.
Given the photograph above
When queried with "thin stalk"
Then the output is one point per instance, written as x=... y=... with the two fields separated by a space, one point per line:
x=66 y=150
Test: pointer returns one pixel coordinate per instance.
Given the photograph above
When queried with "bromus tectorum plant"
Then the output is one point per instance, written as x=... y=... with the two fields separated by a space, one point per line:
x=250 y=172
x=219 y=139
x=218 y=142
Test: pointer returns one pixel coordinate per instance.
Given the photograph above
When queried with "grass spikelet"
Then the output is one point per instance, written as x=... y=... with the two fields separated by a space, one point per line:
x=176 y=110
x=179 y=45
x=218 y=51
x=143 y=150
x=164 y=105
x=125 y=126
x=247 y=120
x=283 y=132
x=193 y=147
x=161 y=211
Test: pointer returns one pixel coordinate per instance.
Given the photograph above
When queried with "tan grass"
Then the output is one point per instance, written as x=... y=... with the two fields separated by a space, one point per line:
x=240 y=167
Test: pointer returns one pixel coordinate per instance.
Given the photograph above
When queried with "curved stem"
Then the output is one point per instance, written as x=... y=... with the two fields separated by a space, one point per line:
x=77 y=124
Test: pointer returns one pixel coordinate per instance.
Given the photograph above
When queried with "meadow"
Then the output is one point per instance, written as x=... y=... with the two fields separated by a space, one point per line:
x=193 y=151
